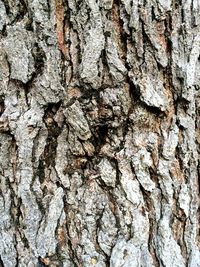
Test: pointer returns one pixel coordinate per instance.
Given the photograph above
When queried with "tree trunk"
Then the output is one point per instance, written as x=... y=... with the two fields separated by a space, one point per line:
x=99 y=133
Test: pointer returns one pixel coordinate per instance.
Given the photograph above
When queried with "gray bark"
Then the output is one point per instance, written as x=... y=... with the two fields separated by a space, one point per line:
x=99 y=133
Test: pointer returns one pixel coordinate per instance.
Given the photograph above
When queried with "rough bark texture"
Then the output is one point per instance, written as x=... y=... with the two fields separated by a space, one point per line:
x=99 y=133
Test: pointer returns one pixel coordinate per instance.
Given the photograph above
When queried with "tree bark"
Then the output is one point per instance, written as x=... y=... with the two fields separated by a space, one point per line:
x=99 y=133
